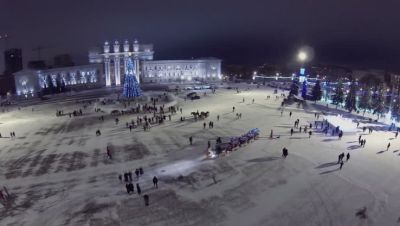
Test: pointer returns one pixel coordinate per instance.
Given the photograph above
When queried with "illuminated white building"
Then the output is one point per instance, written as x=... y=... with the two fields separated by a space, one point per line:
x=115 y=58
x=165 y=71
x=107 y=68
x=29 y=82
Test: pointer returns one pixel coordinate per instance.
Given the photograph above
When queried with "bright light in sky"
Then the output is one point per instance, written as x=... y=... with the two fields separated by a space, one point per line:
x=302 y=56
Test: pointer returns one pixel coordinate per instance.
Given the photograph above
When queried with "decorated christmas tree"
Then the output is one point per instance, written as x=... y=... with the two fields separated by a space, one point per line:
x=131 y=85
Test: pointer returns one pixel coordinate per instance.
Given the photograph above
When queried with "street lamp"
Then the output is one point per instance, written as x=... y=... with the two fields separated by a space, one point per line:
x=254 y=75
x=302 y=56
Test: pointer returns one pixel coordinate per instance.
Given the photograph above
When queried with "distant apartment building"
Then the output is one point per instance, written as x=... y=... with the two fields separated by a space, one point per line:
x=13 y=60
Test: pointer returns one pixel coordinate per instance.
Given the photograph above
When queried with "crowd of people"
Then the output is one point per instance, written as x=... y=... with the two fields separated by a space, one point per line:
x=128 y=179
x=152 y=114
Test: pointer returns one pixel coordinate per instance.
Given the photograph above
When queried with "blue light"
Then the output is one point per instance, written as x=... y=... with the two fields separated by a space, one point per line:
x=131 y=85
x=302 y=71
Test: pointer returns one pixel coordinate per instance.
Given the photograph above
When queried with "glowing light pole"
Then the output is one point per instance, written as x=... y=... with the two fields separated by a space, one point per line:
x=254 y=75
x=302 y=56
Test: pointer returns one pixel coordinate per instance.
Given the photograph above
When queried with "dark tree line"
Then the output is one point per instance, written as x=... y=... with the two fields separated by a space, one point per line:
x=316 y=92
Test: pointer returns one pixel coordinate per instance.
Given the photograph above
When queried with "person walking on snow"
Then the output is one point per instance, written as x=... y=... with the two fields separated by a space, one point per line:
x=126 y=177
x=109 y=153
x=138 y=189
x=341 y=164
x=146 y=200
x=347 y=157
x=137 y=173
x=131 y=187
x=340 y=157
x=285 y=152
x=388 y=146
x=155 y=182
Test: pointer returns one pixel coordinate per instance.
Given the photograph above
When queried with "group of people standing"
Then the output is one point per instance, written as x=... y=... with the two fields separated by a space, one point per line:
x=361 y=142
x=12 y=135
x=130 y=187
x=210 y=125
x=340 y=159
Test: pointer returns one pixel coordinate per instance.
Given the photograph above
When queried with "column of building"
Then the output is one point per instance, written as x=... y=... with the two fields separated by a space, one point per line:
x=117 y=56
x=136 y=59
x=219 y=70
x=107 y=70
x=107 y=63
x=126 y=56
x=117 y=67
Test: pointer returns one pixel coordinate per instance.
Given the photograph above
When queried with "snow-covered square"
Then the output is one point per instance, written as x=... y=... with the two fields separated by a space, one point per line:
x=57 y=172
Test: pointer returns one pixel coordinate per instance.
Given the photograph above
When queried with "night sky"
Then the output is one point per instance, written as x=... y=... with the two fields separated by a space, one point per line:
x=351 y=32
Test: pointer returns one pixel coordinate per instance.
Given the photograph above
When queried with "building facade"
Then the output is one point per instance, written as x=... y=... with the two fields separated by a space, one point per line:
x=109 y=65
x=167 y=71
x=30 y=82
x=114 y=58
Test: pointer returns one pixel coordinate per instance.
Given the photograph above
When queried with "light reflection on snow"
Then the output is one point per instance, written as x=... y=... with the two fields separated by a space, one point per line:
x=345 y=124
x=182 y=167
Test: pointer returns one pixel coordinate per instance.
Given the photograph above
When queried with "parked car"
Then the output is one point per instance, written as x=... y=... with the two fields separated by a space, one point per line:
x=191 y=94
x=115 y=112
x=195 y=97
